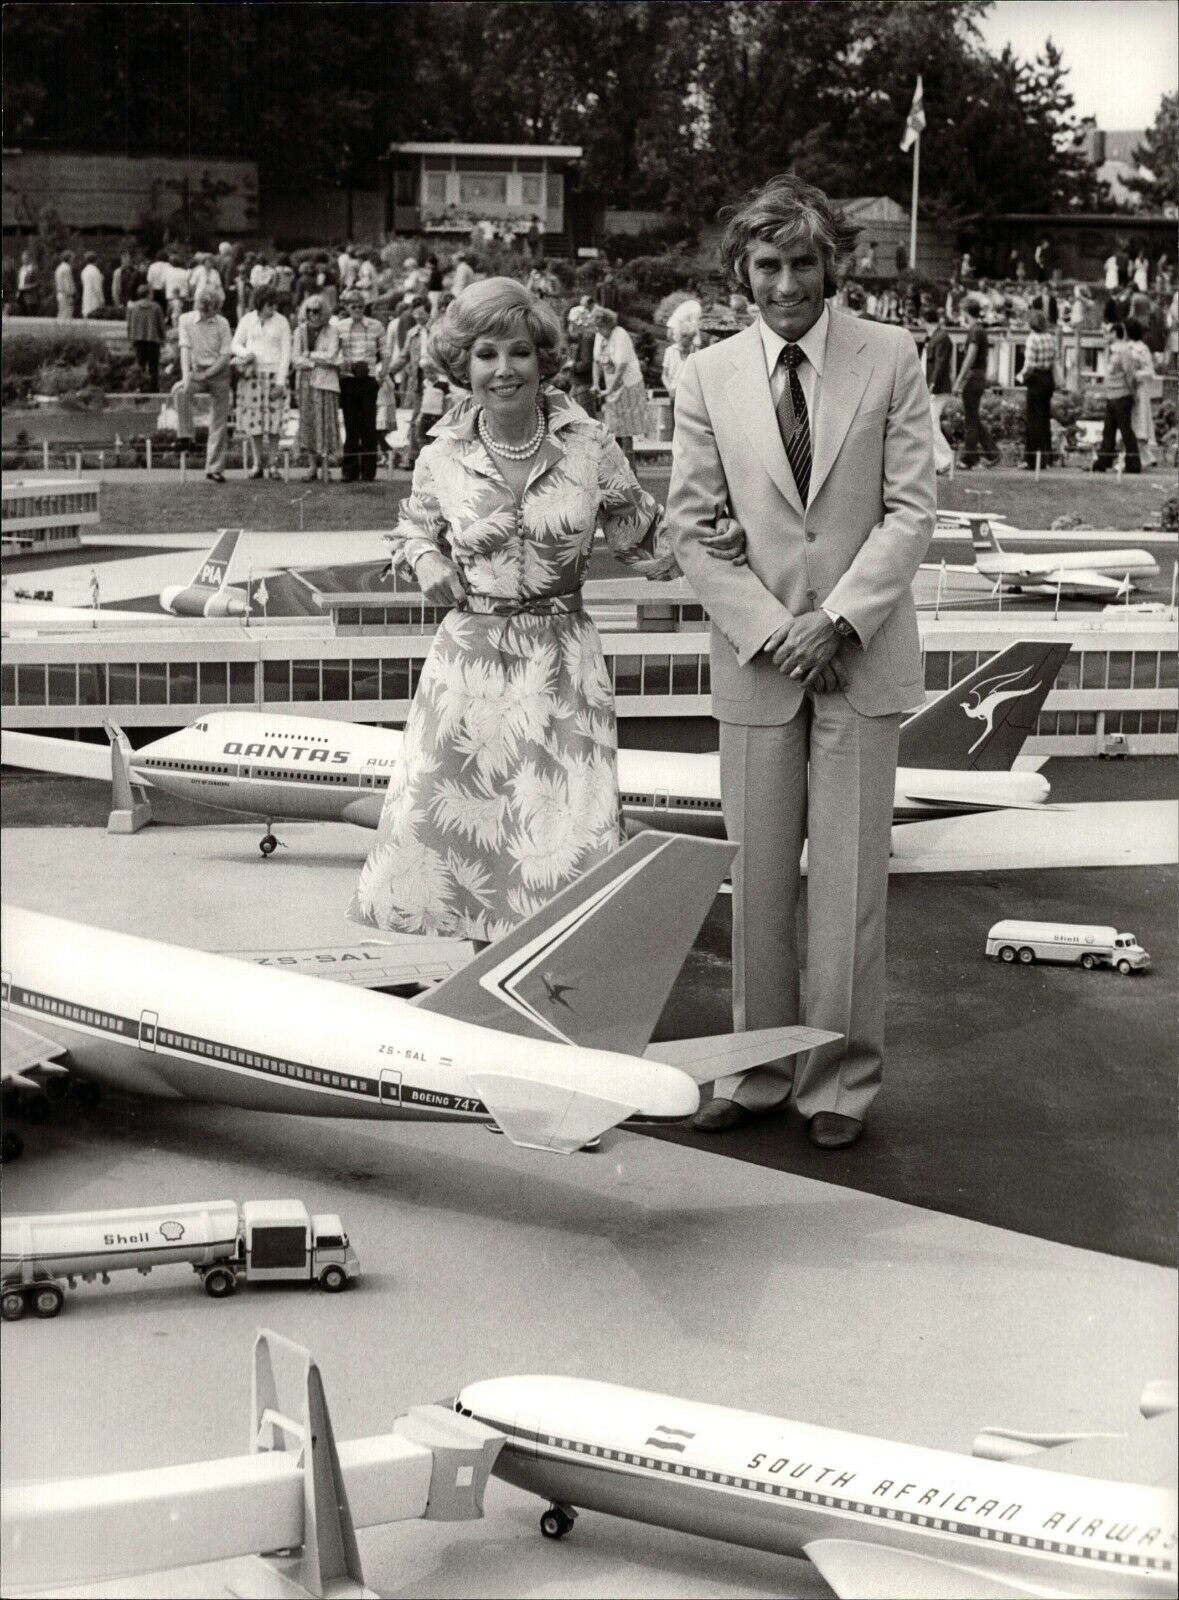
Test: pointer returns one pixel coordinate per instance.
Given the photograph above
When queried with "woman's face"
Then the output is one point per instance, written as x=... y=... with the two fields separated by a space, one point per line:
x=505 y=375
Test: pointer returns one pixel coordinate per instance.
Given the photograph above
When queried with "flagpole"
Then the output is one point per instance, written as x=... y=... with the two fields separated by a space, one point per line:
x=913 y=207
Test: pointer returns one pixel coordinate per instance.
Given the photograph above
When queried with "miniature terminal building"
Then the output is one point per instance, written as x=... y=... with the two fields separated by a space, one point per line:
x=40 y=515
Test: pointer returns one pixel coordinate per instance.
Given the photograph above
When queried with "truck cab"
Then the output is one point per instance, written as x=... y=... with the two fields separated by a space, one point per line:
x=283 y=1242
x=1127 y=950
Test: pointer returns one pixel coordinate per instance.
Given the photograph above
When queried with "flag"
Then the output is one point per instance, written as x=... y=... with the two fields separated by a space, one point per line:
x=915 y=121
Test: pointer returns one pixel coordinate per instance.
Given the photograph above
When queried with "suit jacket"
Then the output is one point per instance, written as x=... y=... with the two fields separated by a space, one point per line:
x=856 y=547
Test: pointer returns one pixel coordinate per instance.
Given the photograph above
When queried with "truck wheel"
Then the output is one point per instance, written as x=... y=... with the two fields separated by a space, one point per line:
x=1125 y=968
x=12 y=1305
x=220 y=1283
x=1027 y=956
x=333 y=1279
x=1088 y=962
x=1007 y=953
x=47 y=1300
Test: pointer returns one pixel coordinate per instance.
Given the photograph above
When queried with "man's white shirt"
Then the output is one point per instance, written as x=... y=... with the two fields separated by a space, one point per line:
x=813 y=345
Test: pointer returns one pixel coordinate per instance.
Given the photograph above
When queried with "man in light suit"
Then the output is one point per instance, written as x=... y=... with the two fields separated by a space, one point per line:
x=813 y=429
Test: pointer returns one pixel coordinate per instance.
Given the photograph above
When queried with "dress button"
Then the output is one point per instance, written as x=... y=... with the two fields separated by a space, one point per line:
x=810 y=537
x=812 y=595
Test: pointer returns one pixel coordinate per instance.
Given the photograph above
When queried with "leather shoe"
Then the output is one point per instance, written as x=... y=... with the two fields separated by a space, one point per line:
x=831 y=1130
x=718 y=1116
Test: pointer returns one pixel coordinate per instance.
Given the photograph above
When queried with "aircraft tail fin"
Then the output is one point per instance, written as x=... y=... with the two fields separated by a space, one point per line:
x=982 y=537
x=215 y=563
x=595 y=966
x=982 y=722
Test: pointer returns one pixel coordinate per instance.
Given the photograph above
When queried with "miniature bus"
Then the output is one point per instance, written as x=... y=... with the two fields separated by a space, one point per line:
x=223 y=1243
x=1075 y=943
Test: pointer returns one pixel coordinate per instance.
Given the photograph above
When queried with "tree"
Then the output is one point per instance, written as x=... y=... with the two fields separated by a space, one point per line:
x=1159 y=154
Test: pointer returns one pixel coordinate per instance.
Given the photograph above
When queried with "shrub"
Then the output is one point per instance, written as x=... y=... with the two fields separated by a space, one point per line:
x=58 y=378
x=1169 y=514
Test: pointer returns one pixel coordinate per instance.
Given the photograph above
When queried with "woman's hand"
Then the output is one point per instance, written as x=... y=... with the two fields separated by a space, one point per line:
x=439 y=580
x=656 y=569
x=726 y=542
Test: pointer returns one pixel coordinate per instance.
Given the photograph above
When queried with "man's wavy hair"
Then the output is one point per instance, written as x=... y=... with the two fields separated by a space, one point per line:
x=781 y=212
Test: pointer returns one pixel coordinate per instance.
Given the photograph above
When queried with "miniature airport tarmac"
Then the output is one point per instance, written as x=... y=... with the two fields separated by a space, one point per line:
x=660 y=1263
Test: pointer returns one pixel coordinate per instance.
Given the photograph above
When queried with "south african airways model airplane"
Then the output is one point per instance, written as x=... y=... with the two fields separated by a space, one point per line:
x=956 y=757
x=545 y=1035
x=1026 y=1514
x=1083 y=573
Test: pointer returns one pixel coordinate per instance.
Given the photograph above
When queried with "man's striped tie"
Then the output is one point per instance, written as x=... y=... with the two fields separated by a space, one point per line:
x=793 y=424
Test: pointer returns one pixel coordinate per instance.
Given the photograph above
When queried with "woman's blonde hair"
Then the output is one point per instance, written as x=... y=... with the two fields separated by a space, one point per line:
x=494 y=308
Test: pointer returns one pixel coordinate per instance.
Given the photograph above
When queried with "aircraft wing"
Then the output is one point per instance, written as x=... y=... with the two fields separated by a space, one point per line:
x=68 y=757
x=1079 y=579
x=965 y=802
x=859 y=1571
x=369 y=963
x=715 y=1055
x=1146 y=1453
x=24 y=1051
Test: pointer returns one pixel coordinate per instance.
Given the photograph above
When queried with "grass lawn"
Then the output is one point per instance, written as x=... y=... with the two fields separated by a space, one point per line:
x=159 y=505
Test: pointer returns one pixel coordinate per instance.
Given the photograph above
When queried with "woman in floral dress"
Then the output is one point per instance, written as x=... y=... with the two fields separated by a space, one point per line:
x=506 y=788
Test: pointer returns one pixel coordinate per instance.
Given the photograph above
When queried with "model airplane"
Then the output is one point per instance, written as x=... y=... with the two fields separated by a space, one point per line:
x=956 y=757
x=1093 y=573
x=546 y=1034
x=208 y=594
x=1076 y=1515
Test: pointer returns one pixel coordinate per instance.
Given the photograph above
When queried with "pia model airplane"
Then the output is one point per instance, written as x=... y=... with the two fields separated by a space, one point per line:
x=208 y=594
x=545 y=1034
x=1027 y=1514
x=1101 y=574
x=956 y=757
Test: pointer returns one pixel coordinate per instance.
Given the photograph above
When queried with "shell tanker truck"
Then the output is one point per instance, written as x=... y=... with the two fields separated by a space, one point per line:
x=267 y=1241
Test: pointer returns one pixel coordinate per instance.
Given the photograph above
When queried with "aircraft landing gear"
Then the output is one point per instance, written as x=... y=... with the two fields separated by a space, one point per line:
x=557 y=1521
x=269 y=843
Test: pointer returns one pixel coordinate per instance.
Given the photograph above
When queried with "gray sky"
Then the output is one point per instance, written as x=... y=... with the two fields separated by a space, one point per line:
x=1122 y=55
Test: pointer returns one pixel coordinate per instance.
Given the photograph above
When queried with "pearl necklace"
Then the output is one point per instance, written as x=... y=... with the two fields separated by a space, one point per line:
x=514 y=452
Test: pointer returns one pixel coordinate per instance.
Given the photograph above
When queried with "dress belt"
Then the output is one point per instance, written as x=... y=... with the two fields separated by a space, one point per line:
x=548 y=605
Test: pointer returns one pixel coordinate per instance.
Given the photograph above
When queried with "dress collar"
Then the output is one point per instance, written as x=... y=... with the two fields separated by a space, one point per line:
x=461 y=421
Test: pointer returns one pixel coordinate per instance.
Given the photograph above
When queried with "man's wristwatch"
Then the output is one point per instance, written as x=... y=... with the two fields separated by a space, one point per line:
x=842 y=626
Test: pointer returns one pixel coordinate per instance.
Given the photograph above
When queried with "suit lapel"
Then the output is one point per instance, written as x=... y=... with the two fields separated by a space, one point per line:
x=748 y=392
x=846 y=370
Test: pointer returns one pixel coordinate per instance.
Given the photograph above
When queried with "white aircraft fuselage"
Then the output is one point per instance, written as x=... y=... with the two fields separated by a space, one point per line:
x=176 y=1023
x=783 y=1486
x=275 y=765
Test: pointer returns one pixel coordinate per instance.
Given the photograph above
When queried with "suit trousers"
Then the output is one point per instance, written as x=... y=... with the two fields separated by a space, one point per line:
x=828 y=776
x=358 y=402
x=1119 y=418
x=218 y=391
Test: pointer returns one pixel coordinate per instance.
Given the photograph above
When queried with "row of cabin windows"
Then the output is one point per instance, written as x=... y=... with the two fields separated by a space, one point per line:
x=219 y=683
x=248 y=1058
x=73 y=1013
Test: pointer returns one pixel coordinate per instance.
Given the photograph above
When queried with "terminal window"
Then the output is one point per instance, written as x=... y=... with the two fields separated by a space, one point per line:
x=276 y=680
x=182 y=682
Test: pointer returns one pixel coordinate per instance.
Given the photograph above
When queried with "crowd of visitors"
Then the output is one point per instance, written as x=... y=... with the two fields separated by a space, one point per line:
x=343 y=334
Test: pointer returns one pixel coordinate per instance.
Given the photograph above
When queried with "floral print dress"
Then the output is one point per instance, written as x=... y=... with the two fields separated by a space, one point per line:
x=506 y=788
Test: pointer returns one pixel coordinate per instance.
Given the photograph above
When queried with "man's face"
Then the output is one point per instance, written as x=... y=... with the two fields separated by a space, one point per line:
x=354 y=305
x=787 y=284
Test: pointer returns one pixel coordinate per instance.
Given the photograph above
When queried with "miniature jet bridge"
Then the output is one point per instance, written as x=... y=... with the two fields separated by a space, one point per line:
x=285 y=1515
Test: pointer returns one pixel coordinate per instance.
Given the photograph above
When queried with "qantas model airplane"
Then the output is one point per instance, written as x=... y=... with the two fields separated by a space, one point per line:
x=545 y=1035
x=208 y=594
x=1097 y=573
x=1070 y=1514
x=956 y=757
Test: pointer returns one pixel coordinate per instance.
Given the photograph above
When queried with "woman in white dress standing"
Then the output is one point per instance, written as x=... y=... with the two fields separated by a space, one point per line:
x=619 y=379
x=506 y=787
x=262 y=356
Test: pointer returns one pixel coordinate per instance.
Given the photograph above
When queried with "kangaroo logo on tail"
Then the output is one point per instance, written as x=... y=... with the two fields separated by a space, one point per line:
x=985 y=699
